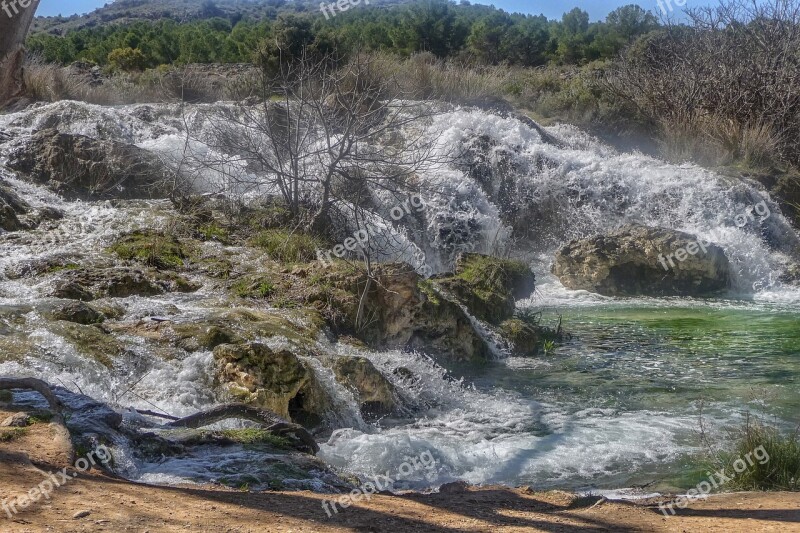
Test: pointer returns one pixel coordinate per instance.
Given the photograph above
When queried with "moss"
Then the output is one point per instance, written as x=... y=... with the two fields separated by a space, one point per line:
x=250 y=287
x=488 y=285
x=253 y=436
x=89 y=340
x=61 y=268
x=427 y=288
x=288 y=246
x=215 y=267
x=152 y=248
x=214 y=232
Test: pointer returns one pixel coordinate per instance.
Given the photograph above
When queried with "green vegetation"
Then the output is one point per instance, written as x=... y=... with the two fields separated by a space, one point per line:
x=474 y=33
x=9 y=434
x=253 y=436
x=152 y=248
x=288 y=246
x=780 y=472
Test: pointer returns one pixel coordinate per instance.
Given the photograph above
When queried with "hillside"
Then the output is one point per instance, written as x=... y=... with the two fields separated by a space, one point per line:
x=127 y=11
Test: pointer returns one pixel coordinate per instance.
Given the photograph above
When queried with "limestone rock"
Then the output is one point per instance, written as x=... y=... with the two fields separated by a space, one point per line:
x=639 y=260
x=376 y=394
x=77 y=166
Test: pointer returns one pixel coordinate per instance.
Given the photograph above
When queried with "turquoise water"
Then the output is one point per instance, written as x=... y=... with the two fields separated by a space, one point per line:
x=672 y=361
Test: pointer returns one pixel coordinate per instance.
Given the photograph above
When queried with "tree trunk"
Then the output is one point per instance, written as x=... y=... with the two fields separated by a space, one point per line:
x=15 y=21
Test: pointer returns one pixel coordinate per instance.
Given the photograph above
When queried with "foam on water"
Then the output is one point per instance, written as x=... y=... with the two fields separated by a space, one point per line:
x=481 y=433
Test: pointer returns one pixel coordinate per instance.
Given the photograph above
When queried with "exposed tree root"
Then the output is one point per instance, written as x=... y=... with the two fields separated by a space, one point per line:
x=274 y=423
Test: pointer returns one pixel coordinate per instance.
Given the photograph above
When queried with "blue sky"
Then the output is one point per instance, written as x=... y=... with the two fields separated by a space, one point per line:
x=597 y=9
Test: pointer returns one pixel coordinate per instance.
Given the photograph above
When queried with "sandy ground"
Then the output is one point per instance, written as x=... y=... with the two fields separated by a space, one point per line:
x=116 y=505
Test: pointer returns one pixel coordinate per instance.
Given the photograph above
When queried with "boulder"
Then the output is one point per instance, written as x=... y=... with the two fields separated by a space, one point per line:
x=11 y=207
x=79 y=167
x=276 y=380
x=119 y=282
x=89 y=340
x=376 y=395
x=489 y=286
x=77 y=312
x=639 y=260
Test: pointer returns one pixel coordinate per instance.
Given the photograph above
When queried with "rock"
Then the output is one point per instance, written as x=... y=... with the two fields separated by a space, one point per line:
x=78 y=312
x=638 y=260
x=89 y=340
x=375 y=394
x=11 y=207
x=276 y=380
x=152 y=248
x=403 y=311
x=17 y=420
x=524 y=338
x=489 y=286
x=77 y=166
x=119 y=282
x=81 y=514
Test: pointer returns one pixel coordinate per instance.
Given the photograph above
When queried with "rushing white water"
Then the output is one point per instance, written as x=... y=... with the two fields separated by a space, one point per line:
x=498 y=428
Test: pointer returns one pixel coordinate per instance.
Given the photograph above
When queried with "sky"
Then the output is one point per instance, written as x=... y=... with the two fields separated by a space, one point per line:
x=553 y=9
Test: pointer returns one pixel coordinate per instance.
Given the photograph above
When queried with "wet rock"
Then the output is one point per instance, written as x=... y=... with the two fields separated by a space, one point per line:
x=526 y=337
x=376 y=395
x=78 y=312
x=299 y=327
x=276 y=380
x=77 y=166
x=638 y=260
x=11 y=208
x=119 y=282
x=489 y=286
x=89 y=340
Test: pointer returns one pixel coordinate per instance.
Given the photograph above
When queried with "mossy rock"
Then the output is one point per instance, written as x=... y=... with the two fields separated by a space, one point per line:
x=89 y=340
x=88 y=284
x=78 y=312
x=276 y=380
x=488 y=286
x=152 y=248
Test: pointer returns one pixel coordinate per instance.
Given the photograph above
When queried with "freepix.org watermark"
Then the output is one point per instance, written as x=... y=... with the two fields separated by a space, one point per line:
x=342 y=5
x=714 y=481
x=741 y=220
x=359 y=239
x=666 y=5
x=53 y=481
x=381 y=482
x=12 y=8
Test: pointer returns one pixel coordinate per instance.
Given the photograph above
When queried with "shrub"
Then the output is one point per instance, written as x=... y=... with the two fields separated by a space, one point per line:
x=127 y=59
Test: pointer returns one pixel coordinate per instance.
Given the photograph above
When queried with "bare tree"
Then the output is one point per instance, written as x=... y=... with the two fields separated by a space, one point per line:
x=322 y=132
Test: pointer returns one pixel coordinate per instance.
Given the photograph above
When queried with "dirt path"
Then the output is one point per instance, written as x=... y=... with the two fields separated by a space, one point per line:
x=116 y=505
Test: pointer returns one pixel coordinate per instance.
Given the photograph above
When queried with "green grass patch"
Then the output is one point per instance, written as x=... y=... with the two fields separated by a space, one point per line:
x=288 y=246
x=152 y=248
x=10 y=434
x=775 y=458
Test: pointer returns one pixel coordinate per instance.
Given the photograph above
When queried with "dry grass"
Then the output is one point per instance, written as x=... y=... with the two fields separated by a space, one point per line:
x=50 y=83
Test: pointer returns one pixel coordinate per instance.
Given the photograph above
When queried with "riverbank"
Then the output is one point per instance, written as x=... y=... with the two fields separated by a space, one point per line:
x=95 y=502
x=116 y=505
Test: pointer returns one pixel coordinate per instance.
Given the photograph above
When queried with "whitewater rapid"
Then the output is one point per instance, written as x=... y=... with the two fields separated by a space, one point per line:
x=478 y=430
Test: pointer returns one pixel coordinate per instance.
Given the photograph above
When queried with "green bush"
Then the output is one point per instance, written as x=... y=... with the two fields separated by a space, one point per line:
x=127 y=59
